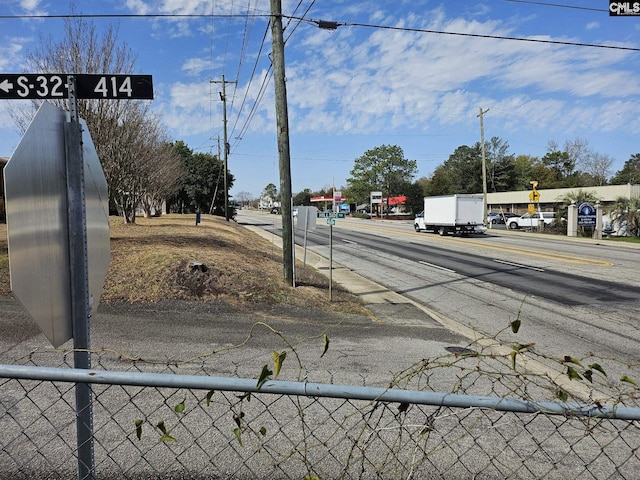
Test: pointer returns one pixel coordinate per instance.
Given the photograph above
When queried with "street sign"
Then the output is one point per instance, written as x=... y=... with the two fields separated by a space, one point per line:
x=534 y=196
x=331 y=215
x=37 y=223
x=331 y=221
x=55 y=86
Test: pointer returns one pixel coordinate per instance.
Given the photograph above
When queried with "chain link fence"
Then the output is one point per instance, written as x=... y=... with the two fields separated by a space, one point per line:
x=504 y=414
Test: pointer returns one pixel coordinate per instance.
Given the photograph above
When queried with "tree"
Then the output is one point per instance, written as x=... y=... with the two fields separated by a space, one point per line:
x=560 y=167
x=244 y=198
x=598 y=167
x=202 y=186
x=382 y=169
x=303 y=197
x=626 y=215
x=270 y=192
x=460 y=173
x=501 y=171
x=630 y=172
x=124 y=132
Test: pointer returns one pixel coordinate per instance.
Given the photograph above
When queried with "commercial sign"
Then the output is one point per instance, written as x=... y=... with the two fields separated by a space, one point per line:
x=586 y=215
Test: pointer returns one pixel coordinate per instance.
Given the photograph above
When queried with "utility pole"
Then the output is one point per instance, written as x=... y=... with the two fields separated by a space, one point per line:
x=484 y=164
x=282 y=125
x=223 y=97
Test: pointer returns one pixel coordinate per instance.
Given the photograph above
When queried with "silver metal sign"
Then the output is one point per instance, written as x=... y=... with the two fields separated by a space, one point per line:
x=37 y=223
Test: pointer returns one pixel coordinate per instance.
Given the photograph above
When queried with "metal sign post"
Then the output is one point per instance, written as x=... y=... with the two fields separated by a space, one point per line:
x=79 y=273
x=331 y=221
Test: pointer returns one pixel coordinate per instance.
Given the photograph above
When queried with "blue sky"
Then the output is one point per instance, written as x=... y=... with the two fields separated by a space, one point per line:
x=357 y=87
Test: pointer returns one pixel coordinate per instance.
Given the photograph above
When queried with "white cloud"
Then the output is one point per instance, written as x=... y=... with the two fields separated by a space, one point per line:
x=593 y=25
x=195 y=66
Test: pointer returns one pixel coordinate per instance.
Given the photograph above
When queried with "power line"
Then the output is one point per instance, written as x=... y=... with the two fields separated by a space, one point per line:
x=334 y=25
x=544 y=4
x=330 y=25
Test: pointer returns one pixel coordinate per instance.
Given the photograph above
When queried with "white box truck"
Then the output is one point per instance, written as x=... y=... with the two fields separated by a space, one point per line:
x=452 y=214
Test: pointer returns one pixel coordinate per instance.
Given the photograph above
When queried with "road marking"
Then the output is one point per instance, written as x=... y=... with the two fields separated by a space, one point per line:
x=519 y=265
x=438 y=267
x=521 y=251
x=351 y=242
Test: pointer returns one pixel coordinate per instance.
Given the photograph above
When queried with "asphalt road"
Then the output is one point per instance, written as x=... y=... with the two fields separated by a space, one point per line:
x=573 y=296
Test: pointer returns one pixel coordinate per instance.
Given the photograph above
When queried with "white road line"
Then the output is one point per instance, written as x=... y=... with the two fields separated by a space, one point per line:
x=350 y=242
x=436 y=266
x=519 y=265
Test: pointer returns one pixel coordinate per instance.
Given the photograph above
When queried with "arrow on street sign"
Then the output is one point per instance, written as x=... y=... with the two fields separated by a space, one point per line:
x=534 y=196
x=6 y=86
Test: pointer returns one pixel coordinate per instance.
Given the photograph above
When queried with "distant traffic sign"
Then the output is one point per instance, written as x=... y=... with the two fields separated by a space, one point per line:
x=331 y=215
x=534 y=196
x=55 y=85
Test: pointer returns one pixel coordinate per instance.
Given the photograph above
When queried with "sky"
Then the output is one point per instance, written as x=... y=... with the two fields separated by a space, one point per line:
x=412 y=73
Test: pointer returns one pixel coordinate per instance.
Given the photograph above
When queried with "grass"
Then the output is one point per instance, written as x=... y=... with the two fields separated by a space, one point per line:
x=153 y=260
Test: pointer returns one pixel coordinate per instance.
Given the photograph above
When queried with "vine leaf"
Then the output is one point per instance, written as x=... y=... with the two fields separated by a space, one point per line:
x=263 y=431
x=165 y=434
x=264 y=376
x=597 y=367
x=588 y=374
x=325 y=339
x=515 y=326
x=139 y=423
x=278 y=359
x=573 y=374
x=209 y=395
x=513 y=354
x=562 y=395
x=179 y=408
x=238 y=434
x=575 y=361
x=628 y=379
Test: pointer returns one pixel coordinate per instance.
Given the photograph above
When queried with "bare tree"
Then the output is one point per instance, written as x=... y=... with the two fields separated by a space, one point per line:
x=598 y=166
x=124 y=132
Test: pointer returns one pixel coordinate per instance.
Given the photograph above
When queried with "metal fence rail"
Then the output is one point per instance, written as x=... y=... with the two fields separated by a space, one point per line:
x=150 y=425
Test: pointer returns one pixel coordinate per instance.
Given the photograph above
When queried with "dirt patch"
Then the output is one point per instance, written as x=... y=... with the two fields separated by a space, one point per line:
x=170 y=257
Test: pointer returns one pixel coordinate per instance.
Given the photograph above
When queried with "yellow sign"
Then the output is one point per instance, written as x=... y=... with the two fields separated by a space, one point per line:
x=531 y=209
x=534 y=196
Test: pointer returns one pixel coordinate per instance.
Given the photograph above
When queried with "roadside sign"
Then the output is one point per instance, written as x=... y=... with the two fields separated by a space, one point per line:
x=37 y=223
x=331 y=221
x=586 y=215
x=331 y=215
x=531 y=208
x=534 y=196
x=55 y=86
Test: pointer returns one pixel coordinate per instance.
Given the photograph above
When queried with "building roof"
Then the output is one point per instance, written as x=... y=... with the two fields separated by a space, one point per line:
x=606 y=193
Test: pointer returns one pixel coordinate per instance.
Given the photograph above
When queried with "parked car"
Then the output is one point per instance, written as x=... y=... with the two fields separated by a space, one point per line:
x=276 y=210
x=501 y=218
x=529 y=220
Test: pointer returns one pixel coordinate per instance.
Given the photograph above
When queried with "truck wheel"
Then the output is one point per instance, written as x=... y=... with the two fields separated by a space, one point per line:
x=442 y=231
x=513 y=226
x=416 y=227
